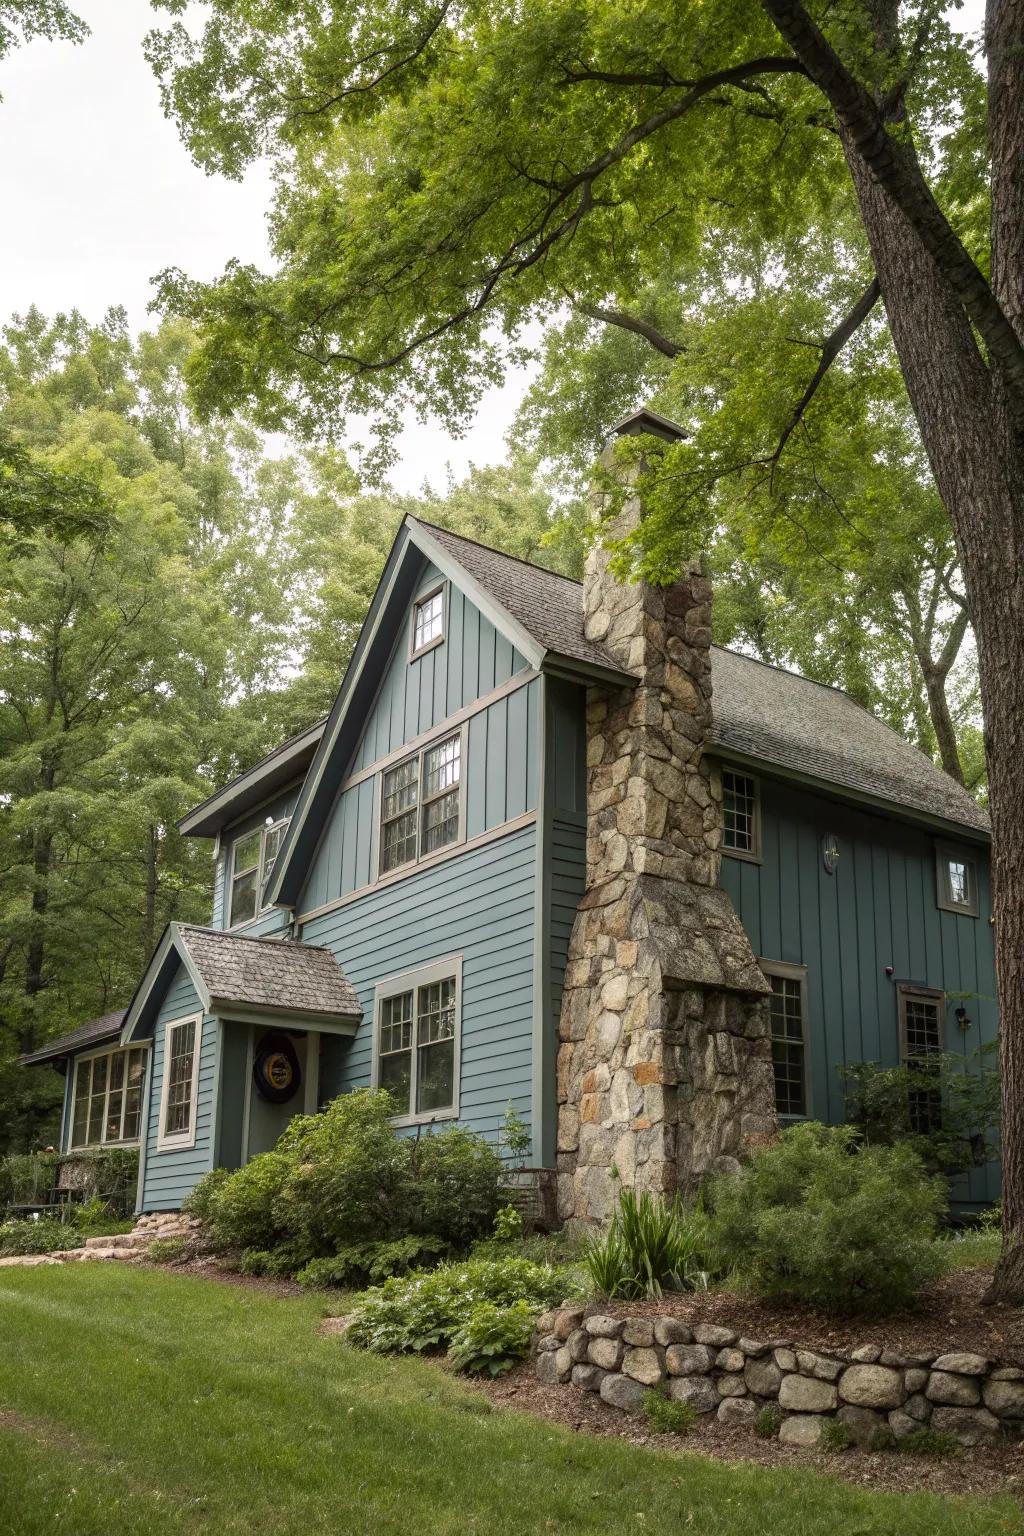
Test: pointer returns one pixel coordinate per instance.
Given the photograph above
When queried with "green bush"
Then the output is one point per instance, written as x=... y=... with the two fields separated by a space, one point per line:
x=835 y=1436
x=26 y=1178
x=667 y=1417
x=493 y=1337
x=929 y=1441
x=424 y=1311
x=947 y=1109
x=815 y=1219
x=47 y=1235
x=166 y=1250
x=342 y=1184
x=651 y=1246
x=360 y=1264
x=767 y=1421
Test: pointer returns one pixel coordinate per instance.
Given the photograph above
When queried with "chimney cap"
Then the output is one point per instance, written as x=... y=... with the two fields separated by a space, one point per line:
x=648 y=421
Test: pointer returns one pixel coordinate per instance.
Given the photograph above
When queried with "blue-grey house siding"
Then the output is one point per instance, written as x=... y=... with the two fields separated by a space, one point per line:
x=877 y=911
x=168 y=1176
x=478 y=905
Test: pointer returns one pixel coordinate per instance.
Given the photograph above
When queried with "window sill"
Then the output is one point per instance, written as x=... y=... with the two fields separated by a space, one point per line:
x=177 y=1144
x=738 y=853
x=431 y=645
x=400 y=1121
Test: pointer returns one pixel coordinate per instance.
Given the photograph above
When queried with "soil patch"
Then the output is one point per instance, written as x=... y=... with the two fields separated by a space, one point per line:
x=216 y=1269
x=999 y=1470
x=946 y=1316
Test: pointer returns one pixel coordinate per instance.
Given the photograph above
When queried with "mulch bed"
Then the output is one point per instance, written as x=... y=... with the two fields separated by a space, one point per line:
x=216 y=1269
x=999 y=1470
x=947 y=1316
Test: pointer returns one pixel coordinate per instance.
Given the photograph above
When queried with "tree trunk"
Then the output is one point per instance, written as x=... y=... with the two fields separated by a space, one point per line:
x=942 y=721
x=966 y=417
x=149 y=932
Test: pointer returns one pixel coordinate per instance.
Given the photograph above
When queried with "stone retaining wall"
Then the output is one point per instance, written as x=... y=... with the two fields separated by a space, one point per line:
x=879 y=1396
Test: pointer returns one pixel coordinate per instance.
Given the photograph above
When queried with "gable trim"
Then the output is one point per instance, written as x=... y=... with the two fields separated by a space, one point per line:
x=171 y=939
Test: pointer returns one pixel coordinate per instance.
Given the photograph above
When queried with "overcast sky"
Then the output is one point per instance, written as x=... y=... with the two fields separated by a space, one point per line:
x=100 y=195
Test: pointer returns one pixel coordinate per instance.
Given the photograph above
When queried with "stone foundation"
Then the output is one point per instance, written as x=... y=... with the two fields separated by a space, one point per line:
x=880 y=1397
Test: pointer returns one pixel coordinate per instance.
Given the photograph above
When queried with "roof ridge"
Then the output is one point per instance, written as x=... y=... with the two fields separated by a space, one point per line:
x=492 y=549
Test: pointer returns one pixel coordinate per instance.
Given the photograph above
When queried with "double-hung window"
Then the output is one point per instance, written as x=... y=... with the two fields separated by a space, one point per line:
x=182 y=1044
x=252 y=861
x=922 y=1013
x=787 y=1010
x=107 y=1103
x=416 y=1053
x=741 y=820
x=420 y=804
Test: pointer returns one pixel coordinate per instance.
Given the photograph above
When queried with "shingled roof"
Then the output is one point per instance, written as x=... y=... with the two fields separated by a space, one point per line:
x=276 y=974
x=95 y=1032
x=774 y=716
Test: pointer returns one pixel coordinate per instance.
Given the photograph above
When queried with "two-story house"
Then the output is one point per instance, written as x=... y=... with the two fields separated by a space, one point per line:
x=521 y=773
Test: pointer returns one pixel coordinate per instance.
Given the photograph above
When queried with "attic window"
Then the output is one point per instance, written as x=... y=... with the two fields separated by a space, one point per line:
x=741 y=821
x=956 y=878
x=252 y=863
x=428 y=621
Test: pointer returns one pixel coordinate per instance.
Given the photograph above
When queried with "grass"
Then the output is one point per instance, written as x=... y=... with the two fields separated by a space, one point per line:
x=147 y=1401
x=973 y=1248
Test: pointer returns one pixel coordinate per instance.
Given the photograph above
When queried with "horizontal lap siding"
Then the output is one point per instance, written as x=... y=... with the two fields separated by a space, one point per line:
x=877 y=910
x=171 y=1175
x=479 y=905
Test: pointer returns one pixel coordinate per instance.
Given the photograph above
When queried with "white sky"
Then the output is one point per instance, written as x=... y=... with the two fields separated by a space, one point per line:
x=100 y=195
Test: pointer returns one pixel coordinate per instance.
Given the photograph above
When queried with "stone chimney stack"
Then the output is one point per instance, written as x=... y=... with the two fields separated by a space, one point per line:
x=664 y=1067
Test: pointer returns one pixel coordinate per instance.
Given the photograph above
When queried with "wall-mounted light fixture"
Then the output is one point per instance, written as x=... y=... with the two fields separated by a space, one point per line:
x=962 y=1021
x=830 y=852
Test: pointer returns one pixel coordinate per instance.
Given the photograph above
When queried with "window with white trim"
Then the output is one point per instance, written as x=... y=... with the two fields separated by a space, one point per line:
x=416 y=1052
x=252 y=861
x=956 y=879
x=182 y=1042
x=420 y=809
x=741 y=822
x=428 y=621
x=787 y=1011
x=106 y=1105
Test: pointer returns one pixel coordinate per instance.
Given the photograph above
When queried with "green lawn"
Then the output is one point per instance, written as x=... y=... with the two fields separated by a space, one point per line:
x=140 y=1401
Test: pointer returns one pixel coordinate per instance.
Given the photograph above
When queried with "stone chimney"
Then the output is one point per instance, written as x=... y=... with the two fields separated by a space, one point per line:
x=664 y=1065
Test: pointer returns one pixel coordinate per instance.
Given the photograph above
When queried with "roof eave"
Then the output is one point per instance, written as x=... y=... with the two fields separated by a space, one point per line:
x=251 y=787
x=56 y=1052
x=293 y=1018
x=759 y=763
x=577 y=671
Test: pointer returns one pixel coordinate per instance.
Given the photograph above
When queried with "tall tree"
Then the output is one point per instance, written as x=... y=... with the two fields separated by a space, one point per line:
x=447 y=172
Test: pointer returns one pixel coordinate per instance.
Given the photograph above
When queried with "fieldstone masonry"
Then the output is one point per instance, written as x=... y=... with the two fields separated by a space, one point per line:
x=664 y=1066
x=880 y=1397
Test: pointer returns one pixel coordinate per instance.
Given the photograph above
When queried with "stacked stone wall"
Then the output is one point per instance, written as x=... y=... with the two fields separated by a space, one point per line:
x=881 y=1397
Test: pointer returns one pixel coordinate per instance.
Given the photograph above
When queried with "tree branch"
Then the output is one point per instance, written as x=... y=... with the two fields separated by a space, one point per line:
x=830 y=350
x=896 y=172
x=634 y=323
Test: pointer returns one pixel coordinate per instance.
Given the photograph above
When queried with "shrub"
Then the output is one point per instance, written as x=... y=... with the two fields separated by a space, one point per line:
x=766 y=1424
x=886 y=1103
x=929 y=1441
x=454 y=1186
x=815 y=1219
x=26 y=1178
x=424 y=1311
x=359 y=1263
x=239 y=1211
x=508 y=1225
x=835 y=1436
x=651 y=1246
x=348 y=1174
x=667 y=1417
x=199 y=1202
x=166 y=1250
x=47 y=1235
x=493 y=1337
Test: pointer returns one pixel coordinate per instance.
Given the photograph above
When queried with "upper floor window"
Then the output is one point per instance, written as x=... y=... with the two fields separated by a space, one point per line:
x=420 y=804
x=252 y=860
x=922 y=1012
x=416 y=1049
x=741 y=821
x=182 y=1041
x=787 y=1015
x=107 y=1102
x=956 y=876
x=428 y=621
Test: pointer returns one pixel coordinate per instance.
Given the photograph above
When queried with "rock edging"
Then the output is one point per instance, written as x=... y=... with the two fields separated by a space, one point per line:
x=880 y=1397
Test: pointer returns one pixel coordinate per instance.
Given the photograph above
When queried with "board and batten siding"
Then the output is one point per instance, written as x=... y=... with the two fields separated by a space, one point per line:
x=878 y=909
x=273 y=920
x=170 y=1175
x=499 y=784
x=479 y=905
x=414 y=696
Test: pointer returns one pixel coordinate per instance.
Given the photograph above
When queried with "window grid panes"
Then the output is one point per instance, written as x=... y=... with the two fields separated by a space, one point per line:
x=428 y=623
x=252 y=862
x=108 y=1098
x=180 y=1068
x=922 y=1047
x=739 y=812
x=787 y=1027
x=435 y=1041
x=419 y=805
x=395 y=1047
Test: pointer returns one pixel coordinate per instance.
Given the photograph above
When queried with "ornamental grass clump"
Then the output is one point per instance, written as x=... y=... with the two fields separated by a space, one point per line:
x=819 y=1218
x=651 y=1246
